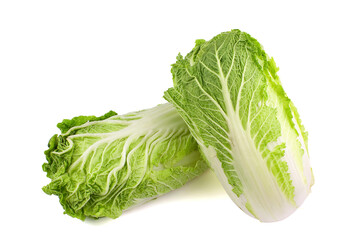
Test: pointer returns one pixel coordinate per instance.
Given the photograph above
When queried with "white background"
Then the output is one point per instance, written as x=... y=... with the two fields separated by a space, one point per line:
x=60 y=59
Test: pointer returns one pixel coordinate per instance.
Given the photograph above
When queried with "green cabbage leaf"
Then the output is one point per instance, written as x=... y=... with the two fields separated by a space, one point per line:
x=101 y=166
x=228 y=92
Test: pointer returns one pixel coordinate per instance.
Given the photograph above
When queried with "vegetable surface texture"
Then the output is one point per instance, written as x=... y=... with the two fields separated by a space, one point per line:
x=100 y=166
x=228 y=92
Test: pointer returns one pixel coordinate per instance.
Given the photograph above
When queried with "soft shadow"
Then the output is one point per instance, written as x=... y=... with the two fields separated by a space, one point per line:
x=99 y=221
x=204 y=186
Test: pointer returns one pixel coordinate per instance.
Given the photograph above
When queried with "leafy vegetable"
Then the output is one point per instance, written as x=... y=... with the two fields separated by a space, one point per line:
x=100 y=166
x=228 y=92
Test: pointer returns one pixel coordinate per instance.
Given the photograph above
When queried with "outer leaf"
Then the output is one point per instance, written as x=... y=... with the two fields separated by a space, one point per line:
x=102 y=166
x=228 y=92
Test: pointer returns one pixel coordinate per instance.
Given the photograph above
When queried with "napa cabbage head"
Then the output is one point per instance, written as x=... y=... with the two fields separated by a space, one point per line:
x=228 y=92
x=101 y=166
